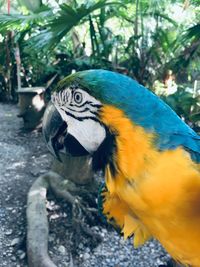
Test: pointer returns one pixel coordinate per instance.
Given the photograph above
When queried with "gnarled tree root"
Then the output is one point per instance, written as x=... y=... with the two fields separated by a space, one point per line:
x=37 y=222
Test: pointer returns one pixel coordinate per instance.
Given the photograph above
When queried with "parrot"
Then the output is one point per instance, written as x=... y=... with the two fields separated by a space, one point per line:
x=150 y=157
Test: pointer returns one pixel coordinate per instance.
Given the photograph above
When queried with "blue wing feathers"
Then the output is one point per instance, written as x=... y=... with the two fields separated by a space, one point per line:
x=143 y=108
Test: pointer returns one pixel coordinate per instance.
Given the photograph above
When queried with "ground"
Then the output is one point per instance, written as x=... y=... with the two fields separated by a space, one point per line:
x=23 y=157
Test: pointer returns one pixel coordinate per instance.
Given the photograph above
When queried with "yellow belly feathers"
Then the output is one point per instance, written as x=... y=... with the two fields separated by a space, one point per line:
x=153 y=194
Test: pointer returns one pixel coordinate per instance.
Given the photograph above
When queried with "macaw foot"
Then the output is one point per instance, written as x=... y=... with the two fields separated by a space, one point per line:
x=83 y=215
x=83 y=208
x=82 y=200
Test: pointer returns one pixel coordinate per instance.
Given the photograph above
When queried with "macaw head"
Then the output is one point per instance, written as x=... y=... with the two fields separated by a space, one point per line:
x=72 y=121
x=90 y=109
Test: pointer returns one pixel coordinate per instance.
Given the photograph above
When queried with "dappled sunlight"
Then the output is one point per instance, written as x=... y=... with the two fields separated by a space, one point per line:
x=16 y=165
x=38 y=102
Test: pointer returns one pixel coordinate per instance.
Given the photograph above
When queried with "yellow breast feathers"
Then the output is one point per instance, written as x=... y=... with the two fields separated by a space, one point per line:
x=153 y=193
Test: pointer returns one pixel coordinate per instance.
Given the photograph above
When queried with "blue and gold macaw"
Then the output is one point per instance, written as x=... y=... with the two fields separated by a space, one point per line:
x=151 y=158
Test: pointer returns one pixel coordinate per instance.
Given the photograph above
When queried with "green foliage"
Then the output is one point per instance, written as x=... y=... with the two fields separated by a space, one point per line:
x=66 y=18
x=187 y=53
x=17 y=22
x=141 y=38
x=32 y=5
x=186 y=105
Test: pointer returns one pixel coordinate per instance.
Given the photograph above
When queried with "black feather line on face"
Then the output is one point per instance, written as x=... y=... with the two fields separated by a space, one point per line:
x=83 y=110
x=105 y=154
x=81 y=118
x=86 y=103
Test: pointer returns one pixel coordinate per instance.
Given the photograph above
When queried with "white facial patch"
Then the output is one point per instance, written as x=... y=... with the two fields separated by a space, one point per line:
x=89 y=133
x=79 y=110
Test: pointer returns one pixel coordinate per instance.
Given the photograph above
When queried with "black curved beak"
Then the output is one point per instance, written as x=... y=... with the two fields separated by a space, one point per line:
x=54 y=130
x=57 y=138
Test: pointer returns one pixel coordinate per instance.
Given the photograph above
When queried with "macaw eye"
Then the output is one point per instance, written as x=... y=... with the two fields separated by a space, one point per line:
x=78 y=98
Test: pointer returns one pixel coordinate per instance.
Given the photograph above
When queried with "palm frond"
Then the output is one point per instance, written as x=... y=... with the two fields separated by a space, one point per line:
x=161 y=15
x=21 y=22
x=67 y=18
x=193 y=33
x=32 y=5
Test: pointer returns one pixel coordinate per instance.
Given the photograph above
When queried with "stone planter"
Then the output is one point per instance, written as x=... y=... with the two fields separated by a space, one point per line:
x=31 y=106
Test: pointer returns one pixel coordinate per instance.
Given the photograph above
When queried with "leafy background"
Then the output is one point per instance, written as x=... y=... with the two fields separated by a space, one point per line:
x=155 y=42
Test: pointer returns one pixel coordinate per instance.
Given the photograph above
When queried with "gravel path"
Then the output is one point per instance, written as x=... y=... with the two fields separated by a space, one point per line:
x=23 y=157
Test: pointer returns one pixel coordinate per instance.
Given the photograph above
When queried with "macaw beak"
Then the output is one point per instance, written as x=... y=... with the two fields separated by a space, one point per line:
x=57 y=137
x=54 y=130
